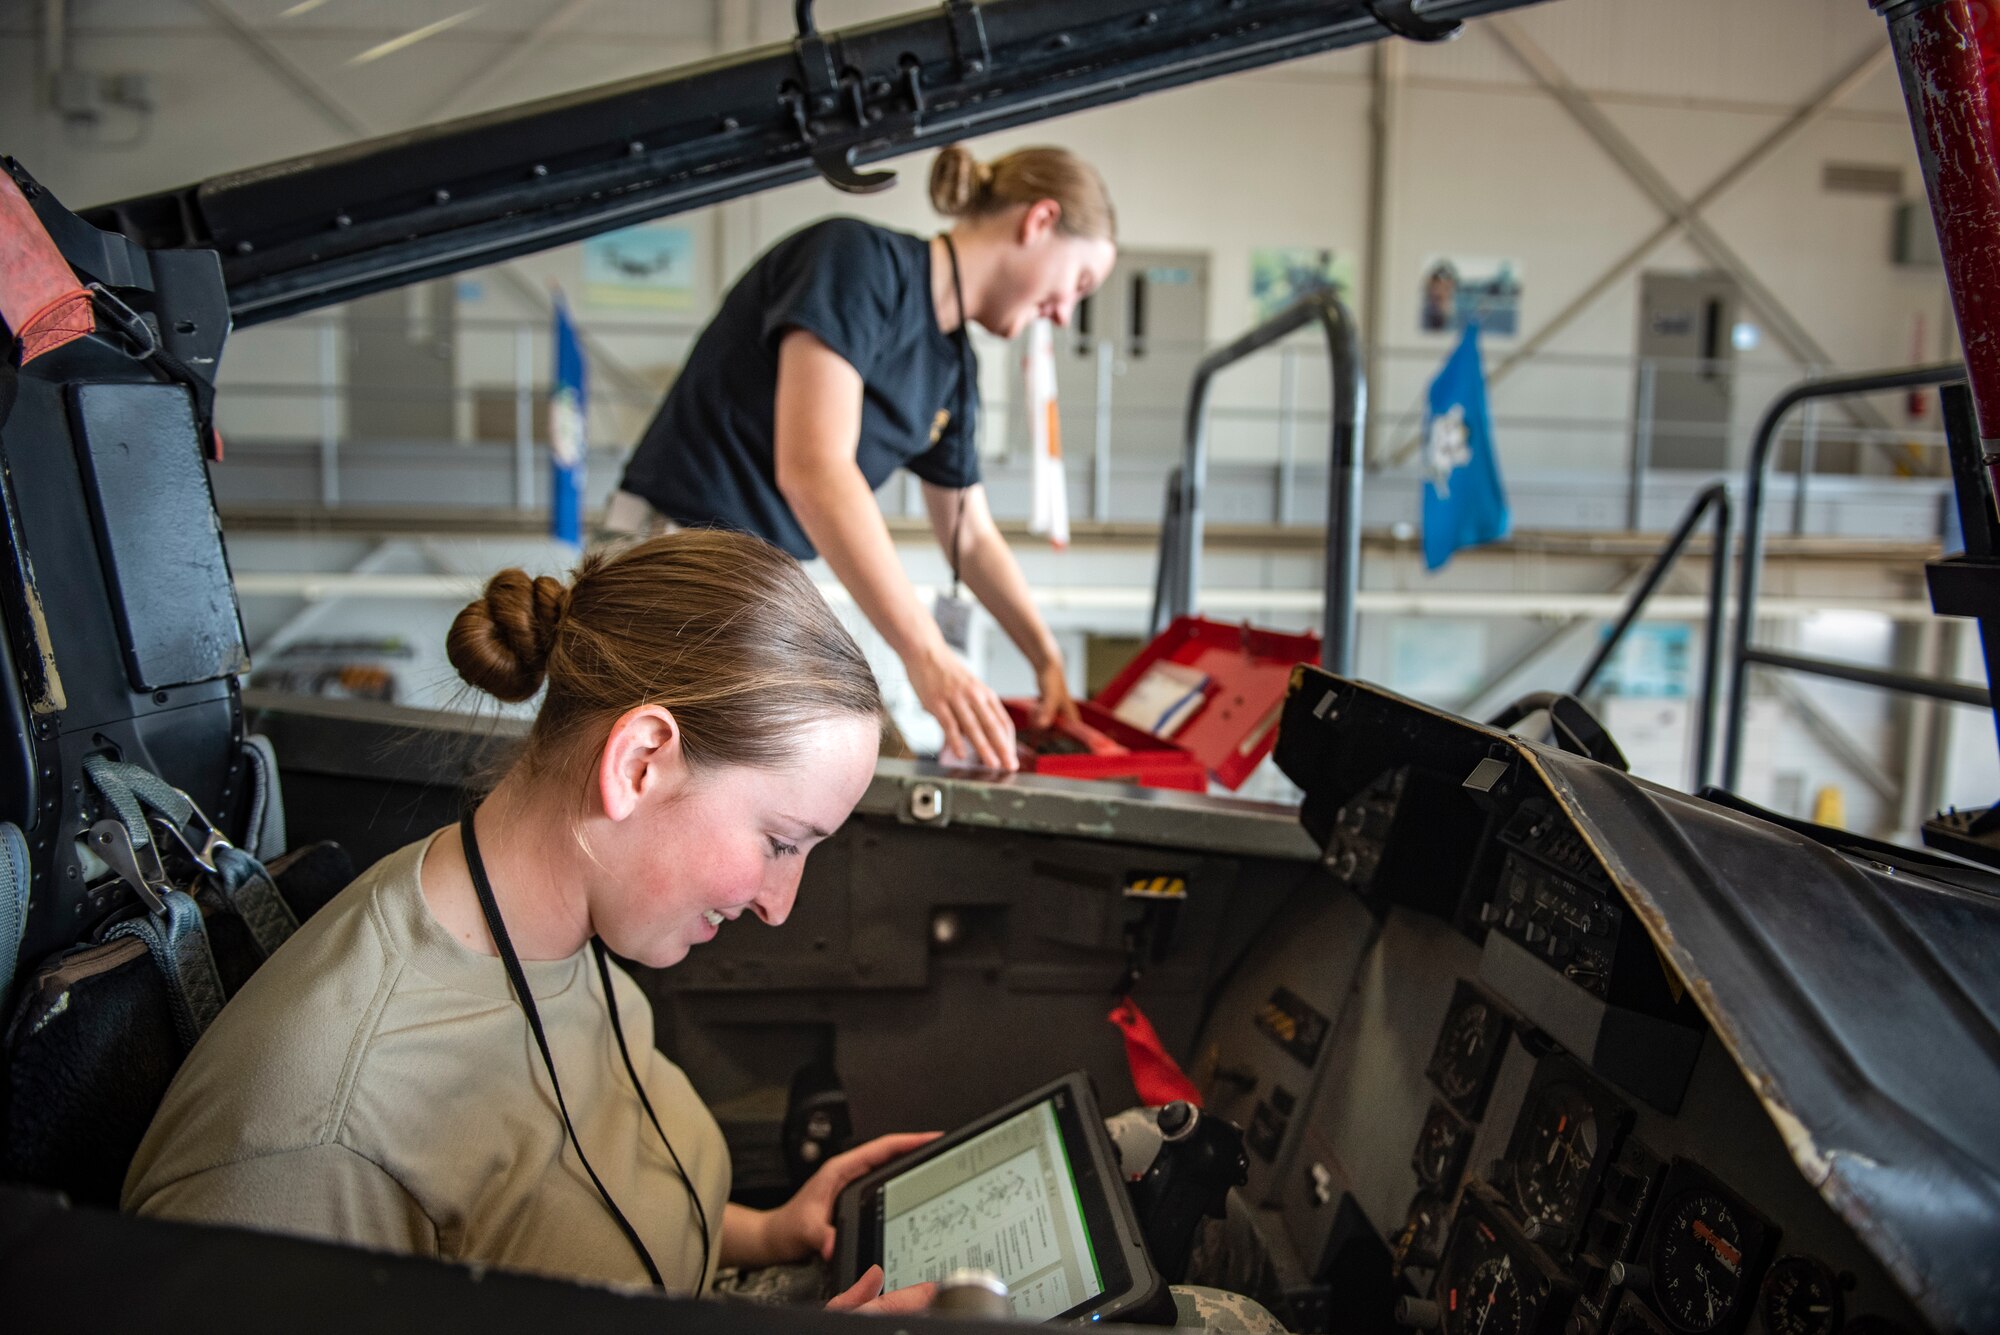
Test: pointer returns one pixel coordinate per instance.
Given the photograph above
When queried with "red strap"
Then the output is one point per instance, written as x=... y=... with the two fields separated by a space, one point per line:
x=1157 y=1077
x=40 y=298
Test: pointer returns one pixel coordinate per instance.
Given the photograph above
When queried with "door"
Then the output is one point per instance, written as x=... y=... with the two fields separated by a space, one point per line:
x=402 y=364
x=1152 y=314
x=1687 y=347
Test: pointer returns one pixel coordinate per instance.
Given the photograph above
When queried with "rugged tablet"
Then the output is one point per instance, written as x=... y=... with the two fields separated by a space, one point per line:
x=1031 y=1192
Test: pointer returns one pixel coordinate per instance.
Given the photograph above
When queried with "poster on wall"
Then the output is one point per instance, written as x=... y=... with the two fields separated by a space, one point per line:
x=1652 y=663
x=1461 y=289
x=1281 y=274
x=1441 y=660
x=640 y=268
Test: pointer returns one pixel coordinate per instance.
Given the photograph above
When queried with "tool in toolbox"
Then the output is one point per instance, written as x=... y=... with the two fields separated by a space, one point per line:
x=1209 y=694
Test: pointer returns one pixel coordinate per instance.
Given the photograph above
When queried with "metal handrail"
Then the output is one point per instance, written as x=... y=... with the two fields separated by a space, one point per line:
x=1742 y=653
x=1178 y=583
x=1715 y=497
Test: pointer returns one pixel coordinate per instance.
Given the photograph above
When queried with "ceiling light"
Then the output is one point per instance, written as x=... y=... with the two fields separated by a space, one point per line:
x=395 y=44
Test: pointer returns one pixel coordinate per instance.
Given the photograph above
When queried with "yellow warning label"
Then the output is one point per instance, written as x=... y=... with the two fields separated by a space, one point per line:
x=1141 y=885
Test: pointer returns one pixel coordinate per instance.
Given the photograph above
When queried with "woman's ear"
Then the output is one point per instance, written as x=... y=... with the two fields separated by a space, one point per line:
x=642 y=760
x=1038 y=221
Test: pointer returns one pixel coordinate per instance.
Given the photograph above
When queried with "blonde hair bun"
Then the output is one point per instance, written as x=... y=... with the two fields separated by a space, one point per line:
x=501 y=641
x=964 y=187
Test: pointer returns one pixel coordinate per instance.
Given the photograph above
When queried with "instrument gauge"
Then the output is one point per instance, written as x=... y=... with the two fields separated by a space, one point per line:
x=1468 y=1050
x=1553 y=1171
x=1564 y=1139
x=1441 y=1149
x=1706 y=1248
x=1490 y=1300
x=1801 y=1296
x=1492 y=1281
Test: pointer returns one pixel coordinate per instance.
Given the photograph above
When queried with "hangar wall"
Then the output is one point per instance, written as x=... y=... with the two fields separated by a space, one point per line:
x=1482 y=163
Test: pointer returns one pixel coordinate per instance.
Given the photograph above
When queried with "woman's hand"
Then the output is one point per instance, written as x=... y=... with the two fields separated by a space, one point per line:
x=867 y=1296
x=1052 y=681
x=803 y=1226
x=975 y=723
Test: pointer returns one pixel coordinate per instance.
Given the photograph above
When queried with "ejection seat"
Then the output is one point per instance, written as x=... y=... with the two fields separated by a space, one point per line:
x=126 y=915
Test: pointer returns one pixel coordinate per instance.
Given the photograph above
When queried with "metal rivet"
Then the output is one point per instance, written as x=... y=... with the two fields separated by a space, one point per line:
x=538 y=170
x=244 y=247
x=441 y=197
x=342 y=220
x=975 y=67
x=638 y=146
x=926 y=802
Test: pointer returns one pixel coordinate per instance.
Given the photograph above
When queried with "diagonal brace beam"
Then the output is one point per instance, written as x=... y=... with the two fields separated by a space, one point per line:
x=1790 y=332
x=1829 y=96
x=348 y=121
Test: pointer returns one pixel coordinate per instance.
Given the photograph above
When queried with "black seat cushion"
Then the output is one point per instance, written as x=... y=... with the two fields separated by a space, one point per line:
x=90 y=1047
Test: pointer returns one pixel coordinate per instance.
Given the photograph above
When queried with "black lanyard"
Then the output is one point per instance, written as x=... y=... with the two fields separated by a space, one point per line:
x=964 y=391
x=519 y=979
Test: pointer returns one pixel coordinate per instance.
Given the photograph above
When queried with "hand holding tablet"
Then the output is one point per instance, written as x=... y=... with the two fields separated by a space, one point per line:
x=1030 y=1192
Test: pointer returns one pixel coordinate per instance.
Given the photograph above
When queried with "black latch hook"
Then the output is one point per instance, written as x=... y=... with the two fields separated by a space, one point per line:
x=1399 y=17
x=816 y=67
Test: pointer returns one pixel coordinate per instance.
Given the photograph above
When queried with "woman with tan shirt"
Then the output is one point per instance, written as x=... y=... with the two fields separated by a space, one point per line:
x=443 y=1061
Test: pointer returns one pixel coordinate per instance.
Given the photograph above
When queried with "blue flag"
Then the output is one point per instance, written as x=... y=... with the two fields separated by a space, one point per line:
x=1464 y=503
x=568 y=443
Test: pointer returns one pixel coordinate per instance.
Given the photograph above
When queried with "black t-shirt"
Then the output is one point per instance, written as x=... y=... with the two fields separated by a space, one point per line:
x=865 y=291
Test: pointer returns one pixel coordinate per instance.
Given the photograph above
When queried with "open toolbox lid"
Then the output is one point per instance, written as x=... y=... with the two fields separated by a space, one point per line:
x=1247 y=672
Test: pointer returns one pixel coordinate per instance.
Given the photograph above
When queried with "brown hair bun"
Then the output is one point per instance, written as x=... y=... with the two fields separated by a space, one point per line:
x=500 y=642
x=959 y=182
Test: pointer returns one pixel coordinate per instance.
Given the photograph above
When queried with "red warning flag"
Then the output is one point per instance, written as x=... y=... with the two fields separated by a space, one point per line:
x=1157 y=1077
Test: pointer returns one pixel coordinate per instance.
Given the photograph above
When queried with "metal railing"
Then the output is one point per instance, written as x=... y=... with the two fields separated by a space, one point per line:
x=1744 y=654
x=289 y=406
x=1177 y=587
x=1712 y=498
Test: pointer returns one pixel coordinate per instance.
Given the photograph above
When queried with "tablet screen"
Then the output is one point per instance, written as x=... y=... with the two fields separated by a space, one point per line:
x=1006 y=1201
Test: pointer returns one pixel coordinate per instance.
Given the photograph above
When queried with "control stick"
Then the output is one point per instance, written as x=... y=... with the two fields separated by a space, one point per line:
x=1199 y=1160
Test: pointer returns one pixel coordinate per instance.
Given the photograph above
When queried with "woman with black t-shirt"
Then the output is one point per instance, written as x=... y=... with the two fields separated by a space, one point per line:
x=842 y=354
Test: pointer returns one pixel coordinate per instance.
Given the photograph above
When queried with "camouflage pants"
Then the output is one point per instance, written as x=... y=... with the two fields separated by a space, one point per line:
x=1195 y=1307
x=775 y=1285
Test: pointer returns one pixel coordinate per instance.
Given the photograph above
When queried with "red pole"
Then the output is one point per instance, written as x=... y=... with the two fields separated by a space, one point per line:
x=1938 y=56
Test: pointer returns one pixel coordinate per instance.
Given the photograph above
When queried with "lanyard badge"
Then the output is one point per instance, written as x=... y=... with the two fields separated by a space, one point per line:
x=954 y=618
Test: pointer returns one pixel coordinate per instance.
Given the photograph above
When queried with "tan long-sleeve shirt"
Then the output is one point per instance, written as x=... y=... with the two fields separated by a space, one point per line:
x=376 y=1083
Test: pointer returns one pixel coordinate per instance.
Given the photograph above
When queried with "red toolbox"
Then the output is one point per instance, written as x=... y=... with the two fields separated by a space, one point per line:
x=1215 y=688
